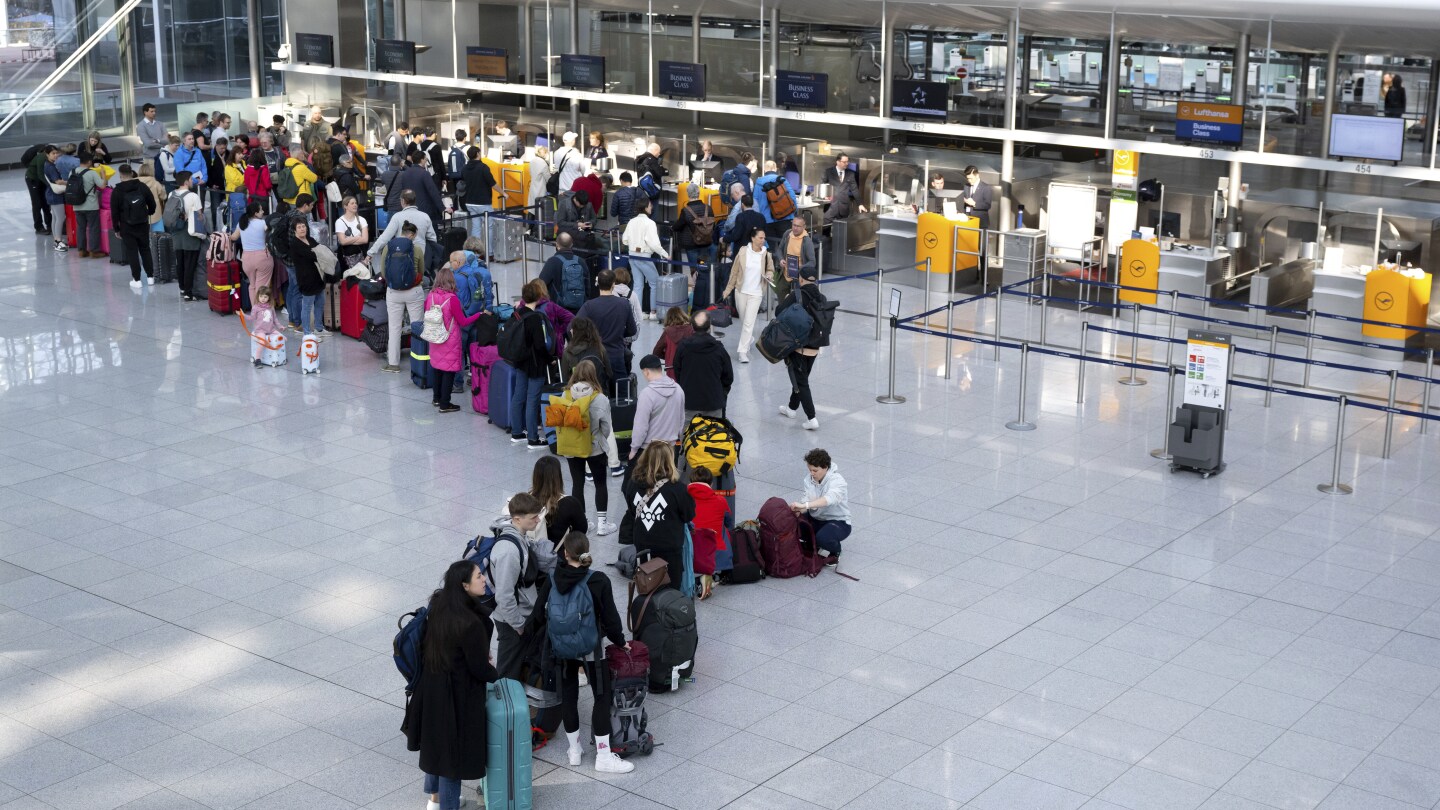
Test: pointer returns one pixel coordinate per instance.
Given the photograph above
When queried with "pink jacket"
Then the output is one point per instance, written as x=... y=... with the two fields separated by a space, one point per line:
x=263 y=321
x=446 y=356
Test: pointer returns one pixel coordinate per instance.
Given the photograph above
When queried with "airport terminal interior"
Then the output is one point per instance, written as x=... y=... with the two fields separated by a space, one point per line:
x=1130 y=380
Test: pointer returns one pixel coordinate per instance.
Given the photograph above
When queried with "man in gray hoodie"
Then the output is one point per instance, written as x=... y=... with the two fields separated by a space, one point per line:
x=660 y=409
x=512 y=562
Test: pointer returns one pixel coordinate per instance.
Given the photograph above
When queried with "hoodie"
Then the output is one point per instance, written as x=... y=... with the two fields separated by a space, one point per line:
x=670 y=341
x=710 y=510
x=598 y=414
x=567 y=578
x=659 y=414
x=263 y=321
x=834 y=490
x=304 y=178
x=703 y=370
x=512 y=605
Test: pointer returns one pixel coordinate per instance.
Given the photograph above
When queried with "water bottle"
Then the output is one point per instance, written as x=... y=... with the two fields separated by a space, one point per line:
x=1020 y=217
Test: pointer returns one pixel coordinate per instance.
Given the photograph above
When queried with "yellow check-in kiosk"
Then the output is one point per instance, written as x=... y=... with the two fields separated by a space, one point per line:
x=1139 y=267
x=1393 y=297
x=512 y=182
x=936 y=239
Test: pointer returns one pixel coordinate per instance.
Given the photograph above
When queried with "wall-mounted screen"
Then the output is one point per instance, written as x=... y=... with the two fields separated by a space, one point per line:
x=314 y=49
x=1210 y=123
x=1367 y=137
x=487 y=64
x=582 y=71
x=803 y=91
x=916 y=99
x=681 y=80
x=394 y=56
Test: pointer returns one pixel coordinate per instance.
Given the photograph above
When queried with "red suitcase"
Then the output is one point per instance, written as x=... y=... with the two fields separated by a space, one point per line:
x=223 y=279
x=352 y=323
x=72 y=229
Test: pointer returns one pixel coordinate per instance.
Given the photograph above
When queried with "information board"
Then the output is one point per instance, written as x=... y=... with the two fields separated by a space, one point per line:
x=487 y=64
x=1207 y=369
x=314 y=49
x=1211 y=123
x=1368 y=137
x=582 y=71
x=802 y=91
x=394 y=56
x=681 y=80
x=919 y=99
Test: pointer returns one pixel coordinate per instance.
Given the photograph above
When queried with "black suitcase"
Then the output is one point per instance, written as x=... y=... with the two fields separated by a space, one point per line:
x=701 y=297
x=452 y=238
x=162 y=252
x=117 y=249
x=622 y=414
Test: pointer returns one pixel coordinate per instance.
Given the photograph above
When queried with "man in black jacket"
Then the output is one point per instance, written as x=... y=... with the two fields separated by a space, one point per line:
x=529 y=374
x=703 y=370
x=479 y=195
x=131 y=206
x=415 y=178
x=614 y=320
x=745 y=224
x=801 y=362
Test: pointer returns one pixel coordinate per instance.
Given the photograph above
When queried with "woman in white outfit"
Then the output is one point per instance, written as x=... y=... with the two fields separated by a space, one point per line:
x=539 y=174
x=749 y=276
x=642 y=239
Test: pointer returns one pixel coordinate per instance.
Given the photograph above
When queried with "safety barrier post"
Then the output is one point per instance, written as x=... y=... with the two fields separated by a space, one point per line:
x=1020 y=422
x=1131 y=378
x=1170 y=331
x=1390 y=413
x=524 y=261
x=927 y=288
x=820 y=260
x=1335 y=487
x=891 y=398
x=879 y=298
x=949 y=330
x=1044 y=308
x=1270 y=368
x=1425 y=391
x=999 y=305
x=1084 y=341
x=486 y=223
x=1163 y=451
x=1309 y=346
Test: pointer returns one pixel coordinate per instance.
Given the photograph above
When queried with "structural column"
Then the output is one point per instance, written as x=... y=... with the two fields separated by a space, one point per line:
x=1013 y=66
x=402 y=90
x=252 y=18
x=774 y=144
x=575 y=48
x=695 y=56
x=887 y=43
x=1112 y=79
x=1332 y=89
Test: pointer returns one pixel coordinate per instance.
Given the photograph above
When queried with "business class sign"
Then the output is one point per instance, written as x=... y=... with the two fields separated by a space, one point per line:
x=1211 y=123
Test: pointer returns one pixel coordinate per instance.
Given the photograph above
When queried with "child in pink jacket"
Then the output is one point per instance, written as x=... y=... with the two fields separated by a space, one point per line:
x=445 y=355
x=264 y=327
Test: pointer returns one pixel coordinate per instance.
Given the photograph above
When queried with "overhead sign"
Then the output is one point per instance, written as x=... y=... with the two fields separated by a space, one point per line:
x=807 y=91
x=582 y=71
x=487 y=64
x=1367 y=137
x=314 y=49
x=1207 y=369
x=919 y=99
x=394 y=56
x=1124 y=169
x=681 y=80
x=1211 y=123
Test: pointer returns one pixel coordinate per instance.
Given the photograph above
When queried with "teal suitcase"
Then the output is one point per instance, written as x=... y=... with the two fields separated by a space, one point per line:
x=507 y=767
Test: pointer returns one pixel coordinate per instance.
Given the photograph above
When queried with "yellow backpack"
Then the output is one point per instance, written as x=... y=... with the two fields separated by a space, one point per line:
x=713 y=444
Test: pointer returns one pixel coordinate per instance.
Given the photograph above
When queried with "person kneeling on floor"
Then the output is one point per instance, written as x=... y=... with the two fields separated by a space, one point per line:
x=826 y=503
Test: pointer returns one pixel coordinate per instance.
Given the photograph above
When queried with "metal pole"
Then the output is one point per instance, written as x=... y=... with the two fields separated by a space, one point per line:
x=879 y=299
x=926 y=308
x=1170 y=331
x=1309 y=346
x=999 y=298
x=1390 y=413
x=1131 y=378
x=1425 y=390
x=1020 y=423
x=949 y=330
x=1163 y=452
x=1335 y=487
x=486 y=222
x=1270 y=369
x=1379 y=222
x=1332 y=90
x=1044 y=308
x=891 y=398
x=1084 y=350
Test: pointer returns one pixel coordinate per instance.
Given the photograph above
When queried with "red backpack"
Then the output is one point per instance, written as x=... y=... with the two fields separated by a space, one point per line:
x=781 y=534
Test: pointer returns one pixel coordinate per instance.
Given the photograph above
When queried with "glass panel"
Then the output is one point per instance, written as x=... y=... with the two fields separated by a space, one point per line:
x=730 y=50
x=45 y=37
x=850 y=57
x=1064 y=88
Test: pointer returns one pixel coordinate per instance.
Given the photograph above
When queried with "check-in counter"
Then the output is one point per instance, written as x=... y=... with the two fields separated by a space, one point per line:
x=896 y=238
x=512 y=182
x=1194 y=270
x=1338 y=291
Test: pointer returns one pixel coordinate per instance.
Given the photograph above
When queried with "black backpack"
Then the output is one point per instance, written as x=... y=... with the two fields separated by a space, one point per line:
x=30 y=154
x=277 y=236
x=75 y=193
x=513 y=344
x=133 y=201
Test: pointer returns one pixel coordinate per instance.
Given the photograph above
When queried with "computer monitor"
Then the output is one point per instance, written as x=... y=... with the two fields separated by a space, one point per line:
x=505 y=143
x=705 y=171
x=1170 y=227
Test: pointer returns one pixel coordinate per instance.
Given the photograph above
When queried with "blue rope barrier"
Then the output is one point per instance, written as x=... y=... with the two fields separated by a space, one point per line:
x=1290 y=391
x=1397 y=411
x=1352 y=319
x=836 y=279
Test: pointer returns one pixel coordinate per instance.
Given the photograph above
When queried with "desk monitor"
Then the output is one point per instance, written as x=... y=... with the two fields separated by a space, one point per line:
x=1367 y=137
x=1170 y=227
x=394 y=56
x=314 y=49
x=505 y=143
x=487 y=64
x=582 y=71
x=705 y=171
x=946 y=193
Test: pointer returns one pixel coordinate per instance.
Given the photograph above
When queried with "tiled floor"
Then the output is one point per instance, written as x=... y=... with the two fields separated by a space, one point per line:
x=202 y=566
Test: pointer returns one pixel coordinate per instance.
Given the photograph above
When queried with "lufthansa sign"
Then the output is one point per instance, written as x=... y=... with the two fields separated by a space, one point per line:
x=1212 y=123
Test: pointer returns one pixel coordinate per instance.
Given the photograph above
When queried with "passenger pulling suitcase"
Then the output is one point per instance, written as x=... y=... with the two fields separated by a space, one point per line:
x=672 y=290
x=352 y=303
x=507 y=730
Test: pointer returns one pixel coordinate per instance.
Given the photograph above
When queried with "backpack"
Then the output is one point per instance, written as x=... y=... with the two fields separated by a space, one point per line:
x=512 y=343
x=649 y=186
x=548 y=328
x=133 y=201
x=712 y=443
x=728 y=179
x=322 y=161
x=470 y=289
x=665 y=621
x=552 y=186
x=434 y=320
x=572 y=281
x=702 y=228
x=400 y=264
x=571 y=419
x=824 y=317
x=456 y=162
x=781 y=202
x=782 y=545
x=75 y=193
x=277 y=235
x=409 y=657
x=747 y=564
x=286 y=187
x=30 y=154
x=174 y=215
x=797 y=320
x=571 y=621
x=479 y=549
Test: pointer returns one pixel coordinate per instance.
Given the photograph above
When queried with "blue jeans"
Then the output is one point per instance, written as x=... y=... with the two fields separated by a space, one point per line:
x=643 y=271
x=700 y=254
x=829 y=533
x=449 y=790
x=310 y=308
x=525 y=405
x=292 y=295
x=477 y=221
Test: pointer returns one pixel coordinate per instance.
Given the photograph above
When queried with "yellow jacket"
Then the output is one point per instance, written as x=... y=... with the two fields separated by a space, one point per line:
x=304 y=178
x=234 y=177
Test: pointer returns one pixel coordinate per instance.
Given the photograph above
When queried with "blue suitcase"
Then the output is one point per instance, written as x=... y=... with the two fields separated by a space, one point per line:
x=419 y=357
x=548 y=433
x=501 y=375
x=507 y=770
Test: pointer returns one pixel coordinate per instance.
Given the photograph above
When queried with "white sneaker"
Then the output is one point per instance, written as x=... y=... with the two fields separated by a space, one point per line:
x=61 y=247
x=134 y=285
x=577 y=753
x=605 y=527
x=150 y=281
x=811 y=424
x=610 y=762
x=787 y=412
x=744 y=358
x=436 y=805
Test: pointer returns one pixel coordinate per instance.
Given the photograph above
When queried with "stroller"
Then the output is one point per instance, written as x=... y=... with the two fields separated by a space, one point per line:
x=631 y=671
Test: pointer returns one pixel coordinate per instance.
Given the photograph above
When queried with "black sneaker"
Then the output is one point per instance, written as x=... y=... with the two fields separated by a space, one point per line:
x=451 y=408
x=832 y=561
x=541 y=445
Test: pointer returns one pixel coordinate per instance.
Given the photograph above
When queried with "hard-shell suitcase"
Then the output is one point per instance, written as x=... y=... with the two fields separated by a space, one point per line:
x=507 y=240
x=330 y=314
x=162 y=252
x=106 y=228
x=622 y=414
x=223 y=281
x=452 y=238
x=501 y=373
x=507 y=732
x=672 y=290
x=419 y=357
x=72 y=227
x=117 y=248
x=351 y=305
x=482 y=358
x=272 y=352
x=310 y=355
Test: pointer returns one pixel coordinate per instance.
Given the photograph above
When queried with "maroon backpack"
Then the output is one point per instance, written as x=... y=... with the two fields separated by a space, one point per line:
x=746 y=563
x=781 y=535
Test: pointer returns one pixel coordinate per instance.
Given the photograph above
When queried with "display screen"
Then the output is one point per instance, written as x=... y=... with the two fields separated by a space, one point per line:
x=582 y=71
x=1367 y=137
x=314 y=49
x=1211 y=123
x=487 y=64
x=919 y=99
x=394 y=56
x=801 y=90
x=682 y=80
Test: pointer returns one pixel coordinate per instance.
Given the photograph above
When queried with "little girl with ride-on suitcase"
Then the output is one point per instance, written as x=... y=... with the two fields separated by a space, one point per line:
x=268 y=344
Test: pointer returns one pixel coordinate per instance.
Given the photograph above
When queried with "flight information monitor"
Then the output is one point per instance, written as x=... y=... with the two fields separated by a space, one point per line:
x=1210 y=123
x=394 y=56
x=314 y=49
x=1367 y=137
x=582 y=71
x=915 y=99
x=487 y=64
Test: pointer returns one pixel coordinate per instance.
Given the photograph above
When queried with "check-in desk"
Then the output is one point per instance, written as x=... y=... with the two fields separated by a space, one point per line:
x=512 y=182
x=1194 y=270
x=895 y=235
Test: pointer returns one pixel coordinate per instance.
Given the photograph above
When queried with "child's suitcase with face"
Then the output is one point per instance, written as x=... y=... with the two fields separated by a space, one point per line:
x=310 y=355
x=272 y=351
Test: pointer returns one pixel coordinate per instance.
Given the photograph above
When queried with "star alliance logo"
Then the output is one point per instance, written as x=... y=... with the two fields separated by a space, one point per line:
x=650 y=512
x=917 y=97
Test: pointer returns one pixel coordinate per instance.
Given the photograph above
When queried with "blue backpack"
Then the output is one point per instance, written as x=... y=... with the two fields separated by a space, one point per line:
x=571 y=622
x=478 y=551
x=572 y=281
x=649 y=186
x=409 y=658
x=456 y=161
x=728 y=179
x=400 y=264
x=796 y=321
x=470 y=289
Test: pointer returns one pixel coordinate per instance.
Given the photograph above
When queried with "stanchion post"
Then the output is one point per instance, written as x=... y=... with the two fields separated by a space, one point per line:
x=949 y=330
x=1084 y=348
x=1309 y=346
x=1044 y=308
x=1132 y=378
x=926 y=308
x=1425 y=390
x=486 y=224
x=891 y=398
x=1020 y=423
x=1170 y=330
x=1335 y=487
x=1163 y=452
x=1270 y=367
x=879 y=298
x=999 y=305
x=1390 y=413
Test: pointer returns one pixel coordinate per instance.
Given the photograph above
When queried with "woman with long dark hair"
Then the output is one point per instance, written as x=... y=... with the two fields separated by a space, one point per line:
x=563 y=512
x=445 y=718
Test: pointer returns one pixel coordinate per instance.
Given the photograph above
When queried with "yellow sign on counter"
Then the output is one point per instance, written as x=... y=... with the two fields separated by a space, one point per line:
x=1393 y=297
x=512 y=183
x=935 y=239
x=1139 y=267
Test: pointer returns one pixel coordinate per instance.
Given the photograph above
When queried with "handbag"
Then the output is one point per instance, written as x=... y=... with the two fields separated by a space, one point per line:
x=552 y=186
x=651 y=575
x=332 y=192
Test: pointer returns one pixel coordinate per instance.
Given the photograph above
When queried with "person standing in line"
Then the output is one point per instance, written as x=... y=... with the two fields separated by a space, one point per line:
x=50 y=171
x=677 y=328
x=255 y=259
x=445 y=356
x=614 y=320
x=703 y=370
x=642 y=239
x=539 y=176
x=188 y=243
x=598 y=150
x=131 y=206
x=801 y=362
x=403 y=268
x=747 y=219
x=752 y=271
x=561 y=512
x=308 y=279
x=36 y=185
x=151 y=132
x=657 y=508
x=157 y=190
x=508 y=569
x=569 y=163
x=529 y=375
x=826 y=502
x=659 y=410
x=479 y=196
x=87 y=214
x=584 y=403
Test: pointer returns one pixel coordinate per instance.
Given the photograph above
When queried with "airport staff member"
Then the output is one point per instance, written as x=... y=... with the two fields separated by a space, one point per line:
x=977 y=197
x=845 y=190
x=934 y=203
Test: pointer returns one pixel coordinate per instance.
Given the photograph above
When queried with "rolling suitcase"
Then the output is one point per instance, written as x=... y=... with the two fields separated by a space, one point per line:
x=452 y=238
x=106 y=228
x=482 y=358
x=672 y=290
x=507 y=240
x=507 y=730
x=117 y=248
x=162 y=252
x=223 y=281
x=330 y=315
x=376 y=331
x=702 y=297
x=351 y=305
x=419 y=357
x=622 y=414
x=72 y=227
x=549 y=434
x=500 y=378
